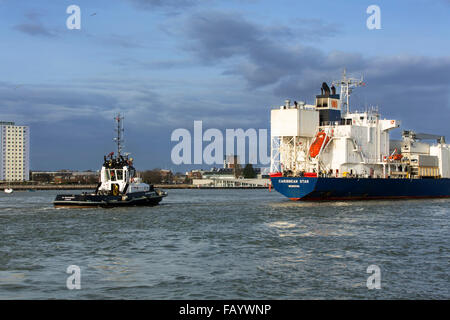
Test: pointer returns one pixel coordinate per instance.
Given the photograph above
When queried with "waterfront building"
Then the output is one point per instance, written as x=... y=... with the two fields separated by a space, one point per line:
x=14 y=152
x=226 y=178
x=66 y=177
x=231 y=162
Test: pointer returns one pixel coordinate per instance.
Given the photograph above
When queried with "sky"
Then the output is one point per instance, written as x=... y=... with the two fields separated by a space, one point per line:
x=166 y=63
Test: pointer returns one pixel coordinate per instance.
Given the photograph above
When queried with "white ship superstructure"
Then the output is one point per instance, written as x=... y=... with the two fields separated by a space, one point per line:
x=327 y=139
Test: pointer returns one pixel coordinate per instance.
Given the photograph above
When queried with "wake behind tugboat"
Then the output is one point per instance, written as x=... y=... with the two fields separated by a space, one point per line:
x=119 y=184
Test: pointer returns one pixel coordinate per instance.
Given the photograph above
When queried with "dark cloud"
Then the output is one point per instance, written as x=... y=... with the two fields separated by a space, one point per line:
x=72 y=128
x=263 y=55
x=312 y=30
x=262 y=58
x=219 y=35
x=137 y=64
x=155 y=4
x=408 y=87
x=33 y=15
x=216 y=36
x=124 y=41
x=35 y=29
x=72 y=125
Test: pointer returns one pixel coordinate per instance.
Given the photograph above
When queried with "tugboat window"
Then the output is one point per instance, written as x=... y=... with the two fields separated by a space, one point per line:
x=119 y=174
x=113 y=175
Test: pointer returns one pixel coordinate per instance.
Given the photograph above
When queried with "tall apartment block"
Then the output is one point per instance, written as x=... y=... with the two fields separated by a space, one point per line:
x=14 y=152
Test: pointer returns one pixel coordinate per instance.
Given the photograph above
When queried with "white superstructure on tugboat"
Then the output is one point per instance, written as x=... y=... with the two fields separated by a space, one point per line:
x=119 y=184
x=325 y=145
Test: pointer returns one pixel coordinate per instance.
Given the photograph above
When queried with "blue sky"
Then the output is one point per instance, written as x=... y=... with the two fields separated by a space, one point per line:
x=166 y=63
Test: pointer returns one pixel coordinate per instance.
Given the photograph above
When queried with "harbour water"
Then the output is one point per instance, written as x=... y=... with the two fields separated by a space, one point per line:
x=224 y=244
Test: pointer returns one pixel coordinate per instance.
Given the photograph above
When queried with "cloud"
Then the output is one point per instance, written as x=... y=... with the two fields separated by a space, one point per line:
x=156 y=4
x=164 y=64
x=262 y=55
x=113 y=39
x=403 y=86
x=257 y=54
x=35 y=29
x=72 y=124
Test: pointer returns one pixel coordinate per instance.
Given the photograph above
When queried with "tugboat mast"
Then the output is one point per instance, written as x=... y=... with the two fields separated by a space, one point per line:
x=119 y=130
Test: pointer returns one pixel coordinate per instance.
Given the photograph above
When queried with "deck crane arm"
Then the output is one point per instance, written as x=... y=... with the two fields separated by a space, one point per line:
x=423 y=136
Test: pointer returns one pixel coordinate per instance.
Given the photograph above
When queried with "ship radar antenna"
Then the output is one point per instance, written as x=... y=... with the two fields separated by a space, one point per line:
x=119 y=131
x=347 y=84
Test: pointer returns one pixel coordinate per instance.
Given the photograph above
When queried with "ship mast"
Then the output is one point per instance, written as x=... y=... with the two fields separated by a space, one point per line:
x=346 y=85
x=119 y=130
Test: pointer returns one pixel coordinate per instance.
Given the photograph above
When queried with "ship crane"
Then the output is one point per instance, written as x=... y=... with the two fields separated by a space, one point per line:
x=423 y=136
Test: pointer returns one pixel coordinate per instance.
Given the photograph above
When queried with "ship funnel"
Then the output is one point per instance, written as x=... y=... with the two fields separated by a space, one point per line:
x=333 y=90
x=326 y=89
x=287 y=103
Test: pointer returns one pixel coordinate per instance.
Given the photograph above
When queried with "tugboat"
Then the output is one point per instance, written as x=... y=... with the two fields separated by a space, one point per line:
x=119 y=186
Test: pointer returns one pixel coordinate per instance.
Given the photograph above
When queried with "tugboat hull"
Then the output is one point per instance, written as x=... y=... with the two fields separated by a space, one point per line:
x=87 y=200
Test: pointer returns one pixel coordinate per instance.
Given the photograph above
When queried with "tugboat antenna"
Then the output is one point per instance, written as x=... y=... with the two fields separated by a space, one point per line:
x=119 y=130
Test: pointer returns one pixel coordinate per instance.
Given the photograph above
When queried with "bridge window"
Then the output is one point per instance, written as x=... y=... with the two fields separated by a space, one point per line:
x=119 y=174
x=113 y=175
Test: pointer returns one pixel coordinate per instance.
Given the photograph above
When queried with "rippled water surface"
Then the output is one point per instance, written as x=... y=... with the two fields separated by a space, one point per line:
x=224 y=244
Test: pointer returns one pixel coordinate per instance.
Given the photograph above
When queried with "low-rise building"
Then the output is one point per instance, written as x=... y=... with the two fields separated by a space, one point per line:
x=166 y=176
x=66 y=177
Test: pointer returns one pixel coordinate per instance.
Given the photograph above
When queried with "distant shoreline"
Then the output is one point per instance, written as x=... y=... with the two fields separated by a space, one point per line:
x=93 y=186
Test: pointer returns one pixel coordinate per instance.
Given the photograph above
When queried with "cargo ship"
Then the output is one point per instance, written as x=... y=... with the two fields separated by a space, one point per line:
x=326 y=151
x=119 y=185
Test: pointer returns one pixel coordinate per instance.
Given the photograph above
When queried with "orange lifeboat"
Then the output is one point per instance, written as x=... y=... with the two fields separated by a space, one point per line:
x=321 y=139
x=395 y=156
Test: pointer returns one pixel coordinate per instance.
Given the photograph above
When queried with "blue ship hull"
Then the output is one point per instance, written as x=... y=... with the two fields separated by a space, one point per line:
x=305 y=188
